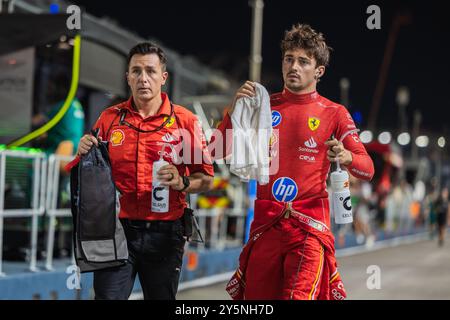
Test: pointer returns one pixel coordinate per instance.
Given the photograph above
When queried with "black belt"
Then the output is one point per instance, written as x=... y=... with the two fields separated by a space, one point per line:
x=155 y=225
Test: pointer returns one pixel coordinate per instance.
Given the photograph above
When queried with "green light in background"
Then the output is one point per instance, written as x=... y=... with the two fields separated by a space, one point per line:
x=23 y=149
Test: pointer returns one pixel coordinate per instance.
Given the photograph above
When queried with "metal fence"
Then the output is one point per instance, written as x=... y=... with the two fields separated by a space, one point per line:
x=52 y=209
x=38 y=183
x=221 y=227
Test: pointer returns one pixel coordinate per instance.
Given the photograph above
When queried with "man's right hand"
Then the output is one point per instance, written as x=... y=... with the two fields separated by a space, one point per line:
x=246 y=90
x=86 y=143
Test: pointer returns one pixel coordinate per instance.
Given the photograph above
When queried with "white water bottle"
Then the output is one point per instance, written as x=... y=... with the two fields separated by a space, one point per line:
x=340 y=197
x=160 y=194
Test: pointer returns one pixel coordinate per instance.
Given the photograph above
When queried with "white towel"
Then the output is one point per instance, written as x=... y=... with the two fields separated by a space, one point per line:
x=252 y=129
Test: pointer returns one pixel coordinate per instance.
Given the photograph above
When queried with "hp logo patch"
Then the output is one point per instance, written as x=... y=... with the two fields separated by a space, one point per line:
x=284 y=189
x=276 y=118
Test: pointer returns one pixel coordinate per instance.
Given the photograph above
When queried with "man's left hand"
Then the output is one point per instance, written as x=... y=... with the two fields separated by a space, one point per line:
x=337 y=152
x=170 y=177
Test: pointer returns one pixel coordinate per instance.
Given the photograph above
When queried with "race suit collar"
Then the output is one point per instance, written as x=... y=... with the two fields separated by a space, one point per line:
x=164 y=110
x=299 y=98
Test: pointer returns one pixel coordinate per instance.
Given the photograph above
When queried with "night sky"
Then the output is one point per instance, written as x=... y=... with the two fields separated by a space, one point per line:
x=218 y=34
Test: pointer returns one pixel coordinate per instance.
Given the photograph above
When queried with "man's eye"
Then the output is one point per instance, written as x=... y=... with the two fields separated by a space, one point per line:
x=136 y=71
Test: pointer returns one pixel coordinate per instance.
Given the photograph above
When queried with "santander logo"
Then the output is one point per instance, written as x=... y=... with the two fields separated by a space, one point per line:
x=311 y=143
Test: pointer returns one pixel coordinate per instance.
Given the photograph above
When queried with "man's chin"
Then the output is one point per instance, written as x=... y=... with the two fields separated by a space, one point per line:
x=294 y=87
x=144 y=96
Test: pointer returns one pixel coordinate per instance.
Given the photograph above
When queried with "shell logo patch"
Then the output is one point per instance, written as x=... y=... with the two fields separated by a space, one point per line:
x=170 y=123
x=117 y=137
x=313 y=123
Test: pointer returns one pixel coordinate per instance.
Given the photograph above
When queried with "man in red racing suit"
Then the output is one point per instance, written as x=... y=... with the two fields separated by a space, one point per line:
x=290 y=253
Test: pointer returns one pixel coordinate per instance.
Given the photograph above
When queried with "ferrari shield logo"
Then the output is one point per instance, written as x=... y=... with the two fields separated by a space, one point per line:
x=313 y=123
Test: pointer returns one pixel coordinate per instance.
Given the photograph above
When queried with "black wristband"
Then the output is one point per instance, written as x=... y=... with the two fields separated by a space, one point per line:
x=186 y=183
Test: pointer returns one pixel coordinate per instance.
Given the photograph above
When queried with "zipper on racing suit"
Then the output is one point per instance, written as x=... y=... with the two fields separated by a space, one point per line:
x=287 y=210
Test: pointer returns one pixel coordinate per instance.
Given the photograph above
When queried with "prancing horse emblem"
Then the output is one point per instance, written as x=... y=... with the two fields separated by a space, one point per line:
x=313 y=123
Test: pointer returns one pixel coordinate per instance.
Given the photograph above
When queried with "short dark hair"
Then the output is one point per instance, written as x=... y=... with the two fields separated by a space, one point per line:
x=302 y=36
x=148 y=48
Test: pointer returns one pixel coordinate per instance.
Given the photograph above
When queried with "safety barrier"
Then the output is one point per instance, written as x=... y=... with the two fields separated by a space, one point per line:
x=38 y=178
x=214 y=222
x=52 y=210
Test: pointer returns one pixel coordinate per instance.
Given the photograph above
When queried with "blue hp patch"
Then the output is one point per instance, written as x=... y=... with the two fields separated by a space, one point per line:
x=284 y=189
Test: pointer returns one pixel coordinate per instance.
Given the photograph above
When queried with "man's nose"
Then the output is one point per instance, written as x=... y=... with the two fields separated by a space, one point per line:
x=143 y=77
x=295 y=66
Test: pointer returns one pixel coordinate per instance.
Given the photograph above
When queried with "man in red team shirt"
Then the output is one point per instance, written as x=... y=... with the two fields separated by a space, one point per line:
x=139 y=132
x=290 y=253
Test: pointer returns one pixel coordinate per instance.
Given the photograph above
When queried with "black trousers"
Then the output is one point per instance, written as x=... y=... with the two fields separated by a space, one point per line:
x=155 y=255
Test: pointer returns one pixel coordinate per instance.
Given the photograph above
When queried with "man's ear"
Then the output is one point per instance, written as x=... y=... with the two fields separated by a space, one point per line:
x=165 y=76
x=127 y=77
x=320 y=71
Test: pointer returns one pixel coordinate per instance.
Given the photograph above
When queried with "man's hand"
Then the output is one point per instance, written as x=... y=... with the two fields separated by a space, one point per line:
x=246 y=90
x=86 y=143
x=337 y=152
x=199 y=182
x=170 y=177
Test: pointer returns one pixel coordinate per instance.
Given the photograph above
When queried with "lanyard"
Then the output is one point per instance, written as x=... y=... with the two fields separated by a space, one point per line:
x=123 y=114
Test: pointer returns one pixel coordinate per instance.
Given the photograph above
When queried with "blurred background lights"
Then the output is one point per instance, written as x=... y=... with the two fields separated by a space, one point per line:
x=366 y=136
x=404 y=138
x=441 y=142
x=385 y=137
x=357 y=117
x=54 y=8
x=422 y=141
x=403 y=96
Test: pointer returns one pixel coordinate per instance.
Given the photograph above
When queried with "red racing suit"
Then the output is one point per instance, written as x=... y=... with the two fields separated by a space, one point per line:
x=293 y=257
x=132 y=154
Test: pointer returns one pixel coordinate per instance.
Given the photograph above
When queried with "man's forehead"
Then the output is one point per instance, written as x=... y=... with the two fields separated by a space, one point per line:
x=299 y=53
x=143 y=60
